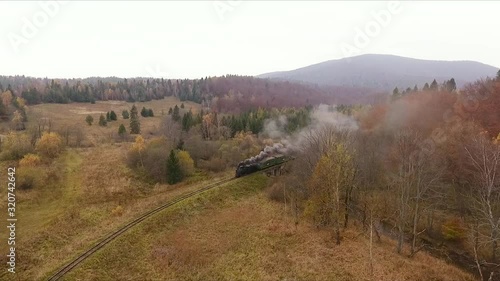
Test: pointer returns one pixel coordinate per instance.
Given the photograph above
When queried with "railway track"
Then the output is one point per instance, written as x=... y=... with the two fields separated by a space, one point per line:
x=67 y=268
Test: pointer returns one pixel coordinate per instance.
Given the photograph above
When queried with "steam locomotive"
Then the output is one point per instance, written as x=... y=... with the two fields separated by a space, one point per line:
x=247 y=167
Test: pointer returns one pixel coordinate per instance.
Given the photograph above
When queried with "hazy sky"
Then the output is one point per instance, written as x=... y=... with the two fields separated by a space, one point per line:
x=208 y=38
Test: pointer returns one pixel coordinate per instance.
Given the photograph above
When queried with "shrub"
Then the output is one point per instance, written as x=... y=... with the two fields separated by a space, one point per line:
x=151 y=158
x=118 y=211
x=112 y=116
x=103 y=121
x=186 y=163
x=213 y=165
x=276 y=192
x=30 y=160
x=29 y=178
x=453 y=230
x=89 y=119
x=49 y=145
x=15 y=146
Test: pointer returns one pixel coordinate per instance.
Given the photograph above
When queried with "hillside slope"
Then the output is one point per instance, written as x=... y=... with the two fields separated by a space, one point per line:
x=384 y=72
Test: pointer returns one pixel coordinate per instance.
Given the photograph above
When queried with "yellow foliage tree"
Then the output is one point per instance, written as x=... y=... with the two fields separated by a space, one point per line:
x=6 y=98
x=330 y=185
x=21 y=102
x=49 y=145
x=30 y=160
x=186 y=163
x=139 y=146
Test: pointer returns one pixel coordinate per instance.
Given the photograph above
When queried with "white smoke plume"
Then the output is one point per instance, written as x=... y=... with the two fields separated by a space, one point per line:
x=320 y=116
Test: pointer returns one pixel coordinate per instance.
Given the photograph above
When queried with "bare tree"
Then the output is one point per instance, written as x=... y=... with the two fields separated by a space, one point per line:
x=484 y=169
x=418 y=174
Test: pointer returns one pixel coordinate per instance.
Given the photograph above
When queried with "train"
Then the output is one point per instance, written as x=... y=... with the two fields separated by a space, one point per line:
x=245 y=168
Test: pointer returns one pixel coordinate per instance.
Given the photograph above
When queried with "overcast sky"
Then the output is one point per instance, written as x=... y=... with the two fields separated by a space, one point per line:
x=208 y=38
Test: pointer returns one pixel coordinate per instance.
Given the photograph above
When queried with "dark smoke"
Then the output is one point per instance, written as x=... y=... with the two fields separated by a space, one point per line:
x=268 y=151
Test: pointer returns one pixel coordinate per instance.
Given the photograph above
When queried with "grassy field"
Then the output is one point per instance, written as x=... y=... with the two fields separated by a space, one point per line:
x=94 y=194
x=75 y=114
x=235 y=233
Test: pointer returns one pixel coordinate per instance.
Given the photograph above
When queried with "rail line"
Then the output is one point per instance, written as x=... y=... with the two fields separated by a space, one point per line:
x=67 y=268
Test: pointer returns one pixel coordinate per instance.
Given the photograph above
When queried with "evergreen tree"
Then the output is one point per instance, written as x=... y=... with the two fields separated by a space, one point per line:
x=144 y=112
x=434 y=85
x=182 y=105
x=426 y=87
x=102 y=121
x=121 y=130
x=135 y=126
x=107 y=116
x=498 y=75
x=89 y=119
x=125 y=114
x=451 y=85
x=151 y=113
x=176 y=115
x=187 y=121
x=112 y=116
x=174 y=174
x=170 y=111
x=415 y=89
x=395 y=91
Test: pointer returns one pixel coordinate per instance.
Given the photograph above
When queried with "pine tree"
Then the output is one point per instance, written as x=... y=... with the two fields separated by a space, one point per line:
x=112 y=116
x=426 y=87
x=121 y=130
x=170 y=111
x=135 y=125
x=395 y=91
x=174 y=174
x=498 y=75
x=125 y=114
x=182 y=105
x=102 y=121
x=89 y=119
x=415 y=89
x=434 y=85
x=151 y=113
x=144 y=112
x=451 y=85
x=108 y=116
x=176 y=115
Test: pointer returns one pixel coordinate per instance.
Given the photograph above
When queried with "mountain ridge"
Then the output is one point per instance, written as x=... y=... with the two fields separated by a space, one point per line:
x=384 y=72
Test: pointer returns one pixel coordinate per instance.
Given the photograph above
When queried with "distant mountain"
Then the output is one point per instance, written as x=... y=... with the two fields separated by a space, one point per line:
x=384 y=72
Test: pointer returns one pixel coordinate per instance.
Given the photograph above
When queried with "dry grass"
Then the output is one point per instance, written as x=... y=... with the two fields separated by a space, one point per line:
x=75 y=113
x=236 y=233
x=61 y=220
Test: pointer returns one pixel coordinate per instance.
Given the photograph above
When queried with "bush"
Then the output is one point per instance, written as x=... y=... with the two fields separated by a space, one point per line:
x=151 y=158
x=453 y=230
x=103 y=121
x=30 y=160
x=118 y=211
x=28 y=178
x=15 y=146
x=276 y=192
x=213 y=165
x=186 y=163
x=89 y=119
x=49 y=145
